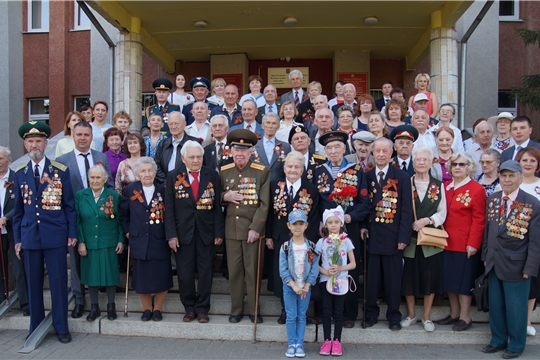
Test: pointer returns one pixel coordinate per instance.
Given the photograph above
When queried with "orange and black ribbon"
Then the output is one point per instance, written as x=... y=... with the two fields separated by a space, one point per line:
x=390 y=183
x=137 y=195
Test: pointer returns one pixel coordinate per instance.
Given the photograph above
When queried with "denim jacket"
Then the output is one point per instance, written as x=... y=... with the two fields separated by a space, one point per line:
x=286 y=264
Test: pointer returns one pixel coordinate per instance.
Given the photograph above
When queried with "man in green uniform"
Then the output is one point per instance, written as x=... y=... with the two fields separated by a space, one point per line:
x=245 y=186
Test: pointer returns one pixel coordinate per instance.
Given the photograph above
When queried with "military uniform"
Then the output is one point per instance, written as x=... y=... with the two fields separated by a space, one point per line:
x=164 y=111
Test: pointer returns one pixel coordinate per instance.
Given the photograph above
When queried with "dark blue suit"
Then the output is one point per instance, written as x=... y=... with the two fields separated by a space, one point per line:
x=396 y=162
x=44 y=234
x=508 y=154
x=189 y=106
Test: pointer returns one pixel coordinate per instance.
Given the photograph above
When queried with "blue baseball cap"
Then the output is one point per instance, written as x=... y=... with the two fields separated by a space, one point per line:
x=297 y=215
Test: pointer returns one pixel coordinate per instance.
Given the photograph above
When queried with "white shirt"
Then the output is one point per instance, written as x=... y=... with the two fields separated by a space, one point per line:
x=295 y=186
x=222 y=142
x=253 y=125
x=148 y=193
x=80 y=164
x=3 y=196
x=41 y=166
x=201 y=133
x=191 y=177
x=283 y=133
x=269 y=145
x=319 y=149
x=426 y=139
x=300 y=94
x=384 y=170
x=306 y=160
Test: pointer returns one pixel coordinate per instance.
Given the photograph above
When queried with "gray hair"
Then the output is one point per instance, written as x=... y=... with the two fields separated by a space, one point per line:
x=269 y=86
x=154 y=115
x=271 y=114
x=100 y=168
x=250 y=100
x=470 y=163
x=386 y=141
x=322 y=96
x=6 y=150
x=144 y=160
x=422 y=149
x=318 y=111
x=345 y=108
x=349 y=85
x=493 y=152
x=297 y=72
x=190 y=144
x=482 y=123
x=295 y=155
x=178 y=113
x=219 y=116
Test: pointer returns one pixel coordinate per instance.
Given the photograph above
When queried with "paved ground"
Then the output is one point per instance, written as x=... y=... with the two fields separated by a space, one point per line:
x=95 y=346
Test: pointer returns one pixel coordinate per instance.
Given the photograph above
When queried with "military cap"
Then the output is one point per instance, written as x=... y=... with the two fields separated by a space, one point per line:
x=34 y=128
x=295 y=129
x=333 y=136
x=511 y=165
x=405 y=132
x=242 y=138
x=364 y=136
x=162 y=84
x=199 y=81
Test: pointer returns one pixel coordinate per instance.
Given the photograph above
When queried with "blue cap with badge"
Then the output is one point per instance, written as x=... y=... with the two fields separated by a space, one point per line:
x=199 y=81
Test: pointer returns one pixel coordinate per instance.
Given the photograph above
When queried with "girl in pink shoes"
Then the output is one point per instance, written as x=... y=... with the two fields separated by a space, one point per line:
x=334 y=250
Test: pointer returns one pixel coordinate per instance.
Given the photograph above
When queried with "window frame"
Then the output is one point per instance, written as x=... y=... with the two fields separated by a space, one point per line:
x=76 y=12
x=512 y=110
x=511 y=18
x=38 y=117
x=30 y=17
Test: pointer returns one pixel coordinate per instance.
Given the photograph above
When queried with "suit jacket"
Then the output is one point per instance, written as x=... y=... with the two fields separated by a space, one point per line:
x=380 y=103
x=275 y=164
x=9 y=205
x=235 y=118
x=70 y=161
x=201 y=211
x=146 y=236
x=384 y=237
x=258 y=128
x=210 y=158
x=289 y=96
x=35 y=224
x=261 y=111
x=504 y=250
x=164 y=152
x=396 y=162
x=509 y=153
x=370 y=162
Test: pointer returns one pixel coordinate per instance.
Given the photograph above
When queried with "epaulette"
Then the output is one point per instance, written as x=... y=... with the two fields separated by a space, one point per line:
x=58 y=165
x=228 y=166
x=257 y=166
x=20 y=167
x=319 y=157
x=173 y=104
x=188 y=103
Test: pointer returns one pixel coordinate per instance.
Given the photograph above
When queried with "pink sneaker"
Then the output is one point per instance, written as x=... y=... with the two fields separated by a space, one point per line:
x=336 y=348
x=326 y=348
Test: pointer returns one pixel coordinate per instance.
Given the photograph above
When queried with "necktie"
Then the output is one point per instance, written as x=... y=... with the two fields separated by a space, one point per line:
x=86 y=167
x=270 y=109
x=248 y=127
x=381 y=178
x=269 y=149
x=296 y=99
x=195 y=184
x=291 y=196
x=517 y=150
x=502 y=213
x=220 y=151
x=404 y=166
x=36 y=175
x=161 y=108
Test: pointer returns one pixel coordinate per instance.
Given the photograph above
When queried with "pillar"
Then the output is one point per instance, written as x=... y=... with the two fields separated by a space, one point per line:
x=444 y=62
x=351 y=61
x=231 y=64
x=128 y=75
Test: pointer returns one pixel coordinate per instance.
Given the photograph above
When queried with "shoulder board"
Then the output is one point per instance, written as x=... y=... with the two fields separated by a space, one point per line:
x=188 y=103
x=257 y=166
x=173 y=104
x=22 y=166
x=320 y=157
x=228 y=166
x=56 y=164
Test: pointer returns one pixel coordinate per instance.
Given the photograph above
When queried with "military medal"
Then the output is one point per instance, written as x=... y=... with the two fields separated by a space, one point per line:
x=433 y=192
x=51 y=198
x=304 y=202
x=247 y=187
x=207 y=198
x=465 y=199
x=180 y=186
x=280 y=201
x=108 y=207
x=157 y=210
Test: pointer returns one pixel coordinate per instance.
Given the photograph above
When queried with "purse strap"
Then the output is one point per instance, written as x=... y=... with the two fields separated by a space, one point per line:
x=351 y=280
x=414 y=202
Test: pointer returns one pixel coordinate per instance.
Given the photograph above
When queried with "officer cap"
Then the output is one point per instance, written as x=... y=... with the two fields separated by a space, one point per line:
x=34 y=128
x=405 y=132
x=511 y=165
x=295 y=129
x=162 y=84
x=199 y=81
x=364 y=136
x=333 y=136
x=242 y=139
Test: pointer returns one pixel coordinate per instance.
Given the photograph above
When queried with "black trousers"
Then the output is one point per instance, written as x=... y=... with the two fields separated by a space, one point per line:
x=388 y=268
x=332 y=306
x=8 y=249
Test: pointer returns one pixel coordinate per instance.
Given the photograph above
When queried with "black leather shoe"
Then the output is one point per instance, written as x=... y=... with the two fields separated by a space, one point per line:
x=235 y=318
x=26 y=311
x=77 y=311
x=94 y=313
x=394 y=325
x=157 y=316
x=282 y=318
x=492 y=349
x=259 y=318
x=64 y=338
x=349 y=324
x=448 y=320
x=369 y=322
x=111 y=311
x=146 y=315
x=510 y=355
x=120 y=289
x=461 y=325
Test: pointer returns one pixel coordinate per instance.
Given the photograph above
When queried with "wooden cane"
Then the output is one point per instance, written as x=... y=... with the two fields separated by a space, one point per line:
x=4 y=271
x=257 y=289
x=127 y=283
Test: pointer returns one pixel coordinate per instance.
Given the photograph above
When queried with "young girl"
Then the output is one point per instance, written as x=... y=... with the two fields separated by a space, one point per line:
x=298 y=268
x=335 y=242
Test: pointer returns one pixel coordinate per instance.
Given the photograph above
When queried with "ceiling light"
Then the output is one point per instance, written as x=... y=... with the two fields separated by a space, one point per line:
x=371 y=20
x=290 y=21
x=201 y=24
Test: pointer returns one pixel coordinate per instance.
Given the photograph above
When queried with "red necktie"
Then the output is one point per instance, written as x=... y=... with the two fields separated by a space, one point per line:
x=195 y=184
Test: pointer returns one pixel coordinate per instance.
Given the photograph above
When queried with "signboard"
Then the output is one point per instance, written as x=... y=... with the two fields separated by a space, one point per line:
x=358 y=79
x=279 y=76
x=234 y=79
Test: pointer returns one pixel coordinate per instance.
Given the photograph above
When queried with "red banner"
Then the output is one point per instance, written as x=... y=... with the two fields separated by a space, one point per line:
x=358 y=79
x=235 y=79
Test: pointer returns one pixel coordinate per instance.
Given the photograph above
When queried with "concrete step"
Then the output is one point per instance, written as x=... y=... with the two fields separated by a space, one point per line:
x=16 y=321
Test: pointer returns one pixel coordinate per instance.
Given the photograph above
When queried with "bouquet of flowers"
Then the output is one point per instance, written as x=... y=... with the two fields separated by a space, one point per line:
x=343 y=196
x=337 y=240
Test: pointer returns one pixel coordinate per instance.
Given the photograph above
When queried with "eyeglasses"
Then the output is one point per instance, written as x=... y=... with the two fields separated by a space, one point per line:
x=456 y=164
x=367 y=102
x=486 y=162
x=444 y=112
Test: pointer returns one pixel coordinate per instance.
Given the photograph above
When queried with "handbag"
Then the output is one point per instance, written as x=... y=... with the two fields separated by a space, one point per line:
x=340 y=286
x=428 y=236
x=480 y=293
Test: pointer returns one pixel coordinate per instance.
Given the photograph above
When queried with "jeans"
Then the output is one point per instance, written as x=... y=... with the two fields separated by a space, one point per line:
x=296 y=310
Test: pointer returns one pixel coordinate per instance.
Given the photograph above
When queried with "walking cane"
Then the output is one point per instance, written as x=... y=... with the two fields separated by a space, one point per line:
x=4 y=271
x=364 y=237
x=127 y=283
x=257 y=289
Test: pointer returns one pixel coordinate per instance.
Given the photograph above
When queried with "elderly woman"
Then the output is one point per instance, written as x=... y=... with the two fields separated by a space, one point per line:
x=122 y=121
x=423 y=267
x=155 y=123
x=66 y=144
x=465 y=222
x=422 y=83
x=100 y=238
x=444 y=137
x=489 y=179
x=218 y=88
x=112 y=147
x=501 y=124
x=287 y=114
x=529 y=159
x=345 y=115
x=142 y=216
x=366 y=104
x=255 y=85
x=377 y=125
x=289 y=194
x=395 y=112
x=134 y=148
x=306 y=110
x=446 y=115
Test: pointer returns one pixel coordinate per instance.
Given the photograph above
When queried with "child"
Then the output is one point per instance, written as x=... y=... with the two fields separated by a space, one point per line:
x=333 y=250
x=298 y=268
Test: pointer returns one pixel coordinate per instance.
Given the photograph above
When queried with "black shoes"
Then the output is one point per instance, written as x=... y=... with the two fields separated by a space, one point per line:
x=282 y=318
x=510 y=355
x=157 y=316
x=448 y=320
x=461 y=325
x=64 y=338
x=94 y=313
x=77 y=311
x=492 y=349
x=259 y=318
x=26 y=311
x=147 y=315
x=235 y=318
x=111 y=311
x=348 y=324
x=369 y=322
x=394 y=325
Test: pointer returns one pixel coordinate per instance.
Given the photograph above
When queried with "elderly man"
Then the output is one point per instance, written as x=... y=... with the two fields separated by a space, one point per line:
x=521 y=130
x=331 y=178
x=300 y=141
x=297 y=95
x=388 y=232
x=168 y=151
x=199 y=86
x=511 y=253
x=420 y=103
x=363 y=144
x=404 y=137
x=44 y=225
x=325 y=119
x=270 y=151
x=349 y=95
x=425 y=138
x=230 y=108
x=162 y=89
x=218 y=151
x=387 y=88
x=7 y=201
x=200 y=128
x=249 y=112
x=483 y=133
x=194 y=225
x=245 y=188
x=270 y=105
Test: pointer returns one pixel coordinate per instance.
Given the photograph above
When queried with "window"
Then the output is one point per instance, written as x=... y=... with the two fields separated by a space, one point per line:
x=376 y=93
x=38 y=110
x=80 y=101
x=509 y=10
x=507 y=102
x=148 y=99
x=38 y=15
x=81 y=22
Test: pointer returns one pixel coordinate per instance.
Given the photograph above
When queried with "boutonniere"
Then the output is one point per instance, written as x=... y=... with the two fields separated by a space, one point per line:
x=46 y=179
x=100 y=163
x=258 y=134
x=396 y=165
x=369 y=166
x=504 y=145
x=137 y=195
x=8 y=184
x=433 y=192
x=164 y=109
x=280 y=152
x=390 y=183
x=237 y=120
x=108 y=207
x=304 y=97
x=435 y=160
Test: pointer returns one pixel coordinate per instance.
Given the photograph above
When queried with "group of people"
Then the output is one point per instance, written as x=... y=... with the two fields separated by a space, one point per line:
x=343 y=178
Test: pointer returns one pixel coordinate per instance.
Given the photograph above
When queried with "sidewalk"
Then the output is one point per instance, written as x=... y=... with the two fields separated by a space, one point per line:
x=96 y=346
